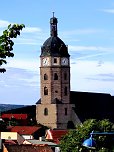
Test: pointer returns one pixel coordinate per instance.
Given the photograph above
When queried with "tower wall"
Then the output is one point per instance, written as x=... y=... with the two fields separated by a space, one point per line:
x=49 y=120
x=55 y=110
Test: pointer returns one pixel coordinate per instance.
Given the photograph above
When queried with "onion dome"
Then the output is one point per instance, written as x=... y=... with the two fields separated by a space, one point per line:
x=54 y=46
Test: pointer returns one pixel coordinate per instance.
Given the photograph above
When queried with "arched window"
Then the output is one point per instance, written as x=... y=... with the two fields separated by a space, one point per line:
x=55 y=76
x=65 y=76
x=45 y=91
x=45 y=76
x=65 y=91
x=46 y=111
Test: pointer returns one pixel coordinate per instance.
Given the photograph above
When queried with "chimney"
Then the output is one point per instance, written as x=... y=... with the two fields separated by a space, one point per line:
x=40 y=138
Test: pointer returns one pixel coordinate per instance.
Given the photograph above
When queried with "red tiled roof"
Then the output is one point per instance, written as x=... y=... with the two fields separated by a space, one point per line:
x=27 y=148
x=16 y=116
x=10 y=142
x=55 y=135
x=25 y=130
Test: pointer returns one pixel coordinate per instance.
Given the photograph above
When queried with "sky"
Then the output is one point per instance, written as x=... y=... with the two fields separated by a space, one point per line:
x=86 y=26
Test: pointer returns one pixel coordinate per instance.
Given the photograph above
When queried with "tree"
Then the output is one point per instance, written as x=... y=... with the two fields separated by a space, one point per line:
x=6 y=42
x=72 y=142
x=3 y=125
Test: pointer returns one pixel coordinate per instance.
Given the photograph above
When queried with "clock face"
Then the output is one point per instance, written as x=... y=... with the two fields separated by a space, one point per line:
x=45 y=62
x=64 y=61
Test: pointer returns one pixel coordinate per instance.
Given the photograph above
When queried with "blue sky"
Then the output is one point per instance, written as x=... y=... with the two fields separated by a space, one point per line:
x=86 y=26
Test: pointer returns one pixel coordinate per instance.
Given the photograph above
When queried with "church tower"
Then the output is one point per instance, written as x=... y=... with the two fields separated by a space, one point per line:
x=54 y=109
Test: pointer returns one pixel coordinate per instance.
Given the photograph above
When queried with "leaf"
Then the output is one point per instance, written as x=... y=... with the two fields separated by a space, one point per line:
x=2 y=61
x=9 y=26
x=5 y=32
x=23 y=25
x=2 y=70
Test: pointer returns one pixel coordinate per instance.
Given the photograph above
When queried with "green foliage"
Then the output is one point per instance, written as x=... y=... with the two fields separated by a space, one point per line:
x=3 y=125
x=6 y=42
x=105 y=125
x=72 y=142
x=12 y=123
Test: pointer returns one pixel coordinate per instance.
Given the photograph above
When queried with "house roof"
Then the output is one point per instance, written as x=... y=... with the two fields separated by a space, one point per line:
x=55 y=135
x=16 y=116
x=37 y=142
x=27 y=148
x=25 y=130
x=10 y=142
x=91 y=105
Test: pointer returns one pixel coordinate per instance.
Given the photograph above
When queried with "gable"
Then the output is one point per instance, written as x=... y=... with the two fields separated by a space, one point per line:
x=25 y=130
x=55 y=135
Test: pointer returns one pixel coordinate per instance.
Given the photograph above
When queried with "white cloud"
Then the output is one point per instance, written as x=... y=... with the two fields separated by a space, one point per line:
x=31 y=65
x=4 y=23
x=27 y=41
x=19 y=78
x=90 y=67
x=87 y=76
x=89 y=48
x=31 y=39
x=108 y=11
x=31 y=36
x=20 y=85
x=30 y=81
x=91 y=56
x=82 y=31
x=31 y=29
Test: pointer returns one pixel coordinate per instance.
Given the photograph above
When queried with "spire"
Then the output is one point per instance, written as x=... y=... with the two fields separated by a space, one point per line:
x=53 y=26
x=53 y=14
